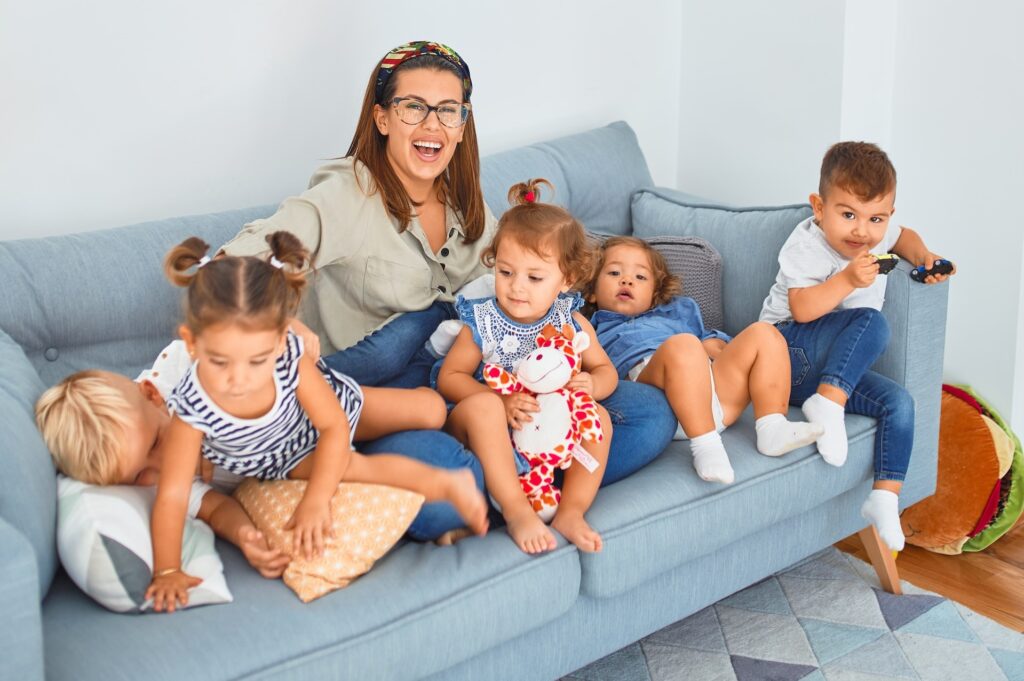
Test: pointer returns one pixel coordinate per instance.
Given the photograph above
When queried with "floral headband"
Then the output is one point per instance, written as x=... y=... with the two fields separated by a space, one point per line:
x=419 y=48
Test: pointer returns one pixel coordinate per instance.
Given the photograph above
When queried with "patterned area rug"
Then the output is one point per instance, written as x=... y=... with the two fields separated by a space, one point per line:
x=824 y=619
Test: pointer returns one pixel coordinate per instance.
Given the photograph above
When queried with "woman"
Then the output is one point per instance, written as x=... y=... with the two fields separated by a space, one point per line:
x=394 y=228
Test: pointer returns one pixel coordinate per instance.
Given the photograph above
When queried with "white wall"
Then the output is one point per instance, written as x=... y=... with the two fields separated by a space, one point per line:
x=118 y=111
x=766 y=87
x=760 y=97
x=958 y=108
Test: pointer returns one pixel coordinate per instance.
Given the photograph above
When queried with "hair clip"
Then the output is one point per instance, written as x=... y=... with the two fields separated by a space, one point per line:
x=529 y=196
x=276 y=263
x=202 y=261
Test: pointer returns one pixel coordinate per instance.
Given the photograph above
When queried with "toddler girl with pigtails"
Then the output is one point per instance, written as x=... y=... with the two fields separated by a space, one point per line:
x=254 y=403
x=538 y=253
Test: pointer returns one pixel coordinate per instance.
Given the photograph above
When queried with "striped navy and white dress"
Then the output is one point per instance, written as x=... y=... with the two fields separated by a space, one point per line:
x=269 y=446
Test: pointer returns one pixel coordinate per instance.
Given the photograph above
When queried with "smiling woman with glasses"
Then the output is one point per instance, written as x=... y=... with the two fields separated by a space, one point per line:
x=395 y=228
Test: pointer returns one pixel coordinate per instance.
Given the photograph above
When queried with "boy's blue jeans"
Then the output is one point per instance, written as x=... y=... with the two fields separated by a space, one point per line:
x=395 y=356
x=838 y=349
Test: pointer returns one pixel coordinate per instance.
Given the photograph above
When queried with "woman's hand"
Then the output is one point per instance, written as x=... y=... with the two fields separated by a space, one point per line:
x=310 y=341
x=171 y=589
x=311 y=522
x=582 y=381
x=518 y=409
x=268 y=562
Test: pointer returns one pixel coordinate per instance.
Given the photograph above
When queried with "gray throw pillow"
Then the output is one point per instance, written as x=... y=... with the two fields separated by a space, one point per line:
x=748 y=238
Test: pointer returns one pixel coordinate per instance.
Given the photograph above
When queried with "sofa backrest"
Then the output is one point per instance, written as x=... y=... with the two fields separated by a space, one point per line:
x=73 y=302
x=594 y=174
x=100 y=299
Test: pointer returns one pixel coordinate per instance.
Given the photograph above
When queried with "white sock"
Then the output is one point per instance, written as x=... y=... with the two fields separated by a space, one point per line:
x=710 y=458
x=777 y=436
x=882 y=509
x=832 y=417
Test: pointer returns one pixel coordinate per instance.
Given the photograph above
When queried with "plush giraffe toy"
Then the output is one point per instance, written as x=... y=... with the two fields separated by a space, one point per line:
x=566 y=418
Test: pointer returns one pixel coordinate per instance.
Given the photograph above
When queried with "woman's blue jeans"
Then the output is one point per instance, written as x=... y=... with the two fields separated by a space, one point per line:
x=839 y=349
x=395 y=356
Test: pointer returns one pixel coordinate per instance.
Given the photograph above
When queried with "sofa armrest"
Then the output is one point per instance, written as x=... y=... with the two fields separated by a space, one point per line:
x=21 y=629
x=917 y=318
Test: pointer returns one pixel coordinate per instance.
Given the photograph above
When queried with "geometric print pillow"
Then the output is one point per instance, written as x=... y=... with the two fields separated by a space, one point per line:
x=367 y=520
x=103 y=539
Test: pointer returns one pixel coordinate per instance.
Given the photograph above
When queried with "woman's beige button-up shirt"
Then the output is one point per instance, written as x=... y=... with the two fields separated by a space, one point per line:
x=366 y=271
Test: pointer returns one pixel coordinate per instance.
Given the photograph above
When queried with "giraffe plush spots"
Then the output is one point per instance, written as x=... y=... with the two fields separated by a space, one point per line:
x=565 y=420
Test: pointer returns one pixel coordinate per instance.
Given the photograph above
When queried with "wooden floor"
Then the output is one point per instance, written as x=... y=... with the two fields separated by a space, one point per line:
x=990 y=582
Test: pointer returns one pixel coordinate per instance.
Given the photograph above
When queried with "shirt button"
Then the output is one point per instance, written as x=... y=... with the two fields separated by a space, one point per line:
x=445 y=252
x=51 y=354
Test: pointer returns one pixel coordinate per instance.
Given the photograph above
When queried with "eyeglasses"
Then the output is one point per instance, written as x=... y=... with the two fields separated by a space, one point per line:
x=414 y=111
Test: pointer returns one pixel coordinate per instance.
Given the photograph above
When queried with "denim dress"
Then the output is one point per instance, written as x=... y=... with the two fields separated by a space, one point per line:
x=628 y=340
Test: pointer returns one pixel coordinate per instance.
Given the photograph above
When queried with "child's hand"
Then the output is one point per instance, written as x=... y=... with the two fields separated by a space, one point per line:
x=928 y=261
x=518 y=407
x=268 y=562
x=310 y=341
x=582 y=381
x=311 y=522
x=862 y=271
x=169 y=590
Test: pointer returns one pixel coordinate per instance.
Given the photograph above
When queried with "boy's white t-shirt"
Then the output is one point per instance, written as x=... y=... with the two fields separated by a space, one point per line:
x=165 y=374
x=806 y=260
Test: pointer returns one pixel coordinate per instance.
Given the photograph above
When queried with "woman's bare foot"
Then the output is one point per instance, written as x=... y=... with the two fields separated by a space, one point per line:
x=529 y=532
x=572 y=526
x=450 y=537
x=469 y=503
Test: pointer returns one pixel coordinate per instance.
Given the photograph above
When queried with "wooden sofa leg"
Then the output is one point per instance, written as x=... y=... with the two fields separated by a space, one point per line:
x=881 y=559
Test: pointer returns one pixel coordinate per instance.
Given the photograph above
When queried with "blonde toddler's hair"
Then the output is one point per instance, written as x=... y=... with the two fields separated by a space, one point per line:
x=83 y=420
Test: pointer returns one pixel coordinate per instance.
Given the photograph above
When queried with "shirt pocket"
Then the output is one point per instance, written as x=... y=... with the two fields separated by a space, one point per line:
x=390 y=287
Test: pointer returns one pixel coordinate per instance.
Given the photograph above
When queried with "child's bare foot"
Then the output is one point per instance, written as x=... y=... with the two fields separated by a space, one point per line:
x=467 y=499
x=529 y=532
x=574 y=528
x=450 y=537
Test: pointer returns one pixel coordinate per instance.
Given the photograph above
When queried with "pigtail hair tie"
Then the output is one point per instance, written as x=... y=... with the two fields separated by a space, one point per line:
x=530 y=196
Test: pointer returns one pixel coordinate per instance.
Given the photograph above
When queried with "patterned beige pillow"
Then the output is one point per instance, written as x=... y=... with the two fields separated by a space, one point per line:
x=368 y=520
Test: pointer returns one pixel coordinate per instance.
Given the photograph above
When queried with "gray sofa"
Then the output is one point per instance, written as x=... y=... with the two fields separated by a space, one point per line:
x=478 y=610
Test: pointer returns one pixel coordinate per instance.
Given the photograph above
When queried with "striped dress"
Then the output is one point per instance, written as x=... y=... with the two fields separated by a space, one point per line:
x=269 y=446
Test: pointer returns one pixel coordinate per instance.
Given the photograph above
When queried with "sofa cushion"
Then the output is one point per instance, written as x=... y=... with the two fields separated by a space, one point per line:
x=578 y=166
x=421 y=609
x=747 y=273
x=664 y=515
x=498 y=172
x=28 y=486
x=106 y=548
x=366 y=521
x=89 y=313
